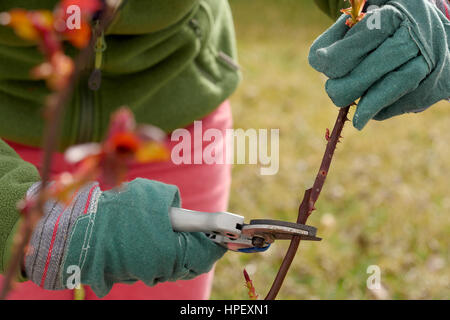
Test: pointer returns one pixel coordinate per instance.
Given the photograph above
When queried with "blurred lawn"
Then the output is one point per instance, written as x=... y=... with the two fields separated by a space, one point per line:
x=386 y=201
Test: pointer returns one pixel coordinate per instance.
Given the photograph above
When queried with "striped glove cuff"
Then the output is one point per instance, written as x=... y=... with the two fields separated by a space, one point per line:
x=444 y=6
x=50 y=238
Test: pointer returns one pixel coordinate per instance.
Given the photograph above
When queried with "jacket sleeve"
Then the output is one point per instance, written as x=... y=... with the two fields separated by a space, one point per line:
x=16 y=176
x=332 y=7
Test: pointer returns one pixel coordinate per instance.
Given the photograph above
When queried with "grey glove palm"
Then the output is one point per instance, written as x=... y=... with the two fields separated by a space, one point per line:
x=396 y=60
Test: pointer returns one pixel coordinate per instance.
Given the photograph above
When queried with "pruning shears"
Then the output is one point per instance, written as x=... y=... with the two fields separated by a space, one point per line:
x=229 y=230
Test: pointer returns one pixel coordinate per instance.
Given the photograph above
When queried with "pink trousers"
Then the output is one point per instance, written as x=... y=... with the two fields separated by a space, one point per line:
x=203 y=187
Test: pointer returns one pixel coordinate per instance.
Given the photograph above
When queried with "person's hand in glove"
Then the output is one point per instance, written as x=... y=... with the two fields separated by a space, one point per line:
x=399 y=65
x=115 y=236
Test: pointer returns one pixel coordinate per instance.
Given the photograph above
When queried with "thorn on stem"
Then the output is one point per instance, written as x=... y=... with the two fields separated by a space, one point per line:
x=327 y=135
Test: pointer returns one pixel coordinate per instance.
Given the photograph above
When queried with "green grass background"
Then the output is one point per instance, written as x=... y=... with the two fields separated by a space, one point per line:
x=387 y=198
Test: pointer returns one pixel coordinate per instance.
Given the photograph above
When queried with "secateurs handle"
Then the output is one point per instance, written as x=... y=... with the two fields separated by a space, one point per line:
x=218 y=223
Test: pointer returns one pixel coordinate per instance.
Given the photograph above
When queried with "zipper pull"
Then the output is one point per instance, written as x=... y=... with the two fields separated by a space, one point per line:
x=195 y=25
x=95 y=79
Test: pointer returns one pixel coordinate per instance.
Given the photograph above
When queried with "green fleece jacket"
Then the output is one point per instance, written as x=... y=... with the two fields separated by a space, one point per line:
x=170 y=61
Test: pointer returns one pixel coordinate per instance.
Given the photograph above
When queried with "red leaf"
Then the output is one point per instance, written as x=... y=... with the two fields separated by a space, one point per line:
x=249 y=284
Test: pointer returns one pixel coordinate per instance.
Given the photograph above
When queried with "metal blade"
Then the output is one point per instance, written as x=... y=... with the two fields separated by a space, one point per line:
x=272 y=230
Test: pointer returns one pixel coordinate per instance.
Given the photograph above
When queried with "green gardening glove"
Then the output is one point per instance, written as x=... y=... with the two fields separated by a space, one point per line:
x=396 y=60
x=103 y=238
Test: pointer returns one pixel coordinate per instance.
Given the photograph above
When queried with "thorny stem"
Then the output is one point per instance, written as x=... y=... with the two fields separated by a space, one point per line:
x=311 y=195
x=309 y=199
x=54 y=111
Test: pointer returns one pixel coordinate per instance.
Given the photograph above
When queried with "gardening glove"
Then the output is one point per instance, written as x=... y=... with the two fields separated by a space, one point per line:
x=102 y=238
x=396 y=60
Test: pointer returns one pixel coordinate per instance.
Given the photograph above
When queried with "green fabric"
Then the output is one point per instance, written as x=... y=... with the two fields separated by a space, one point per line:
x=164 y=59
x=16 y=176
x=130 y=238
x=404 y=66
x=21 y=276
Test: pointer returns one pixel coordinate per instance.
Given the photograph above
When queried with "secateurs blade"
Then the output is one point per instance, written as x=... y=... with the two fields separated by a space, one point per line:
x=229 y=230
